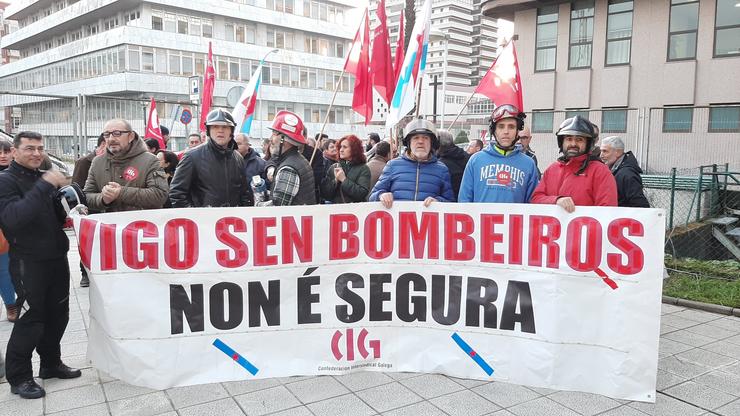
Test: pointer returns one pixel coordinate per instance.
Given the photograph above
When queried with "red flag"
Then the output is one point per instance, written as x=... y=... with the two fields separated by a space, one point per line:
x=502 y=83
x=398 y=61
x=152 y=125
x=358 y=63
x=381 y=65
x=208 y=83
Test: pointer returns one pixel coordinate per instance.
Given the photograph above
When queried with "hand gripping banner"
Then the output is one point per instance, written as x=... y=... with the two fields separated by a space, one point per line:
x=523 y=294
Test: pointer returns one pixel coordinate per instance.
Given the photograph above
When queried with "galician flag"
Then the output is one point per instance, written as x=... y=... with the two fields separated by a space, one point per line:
x=244 y=111
x=412 y=70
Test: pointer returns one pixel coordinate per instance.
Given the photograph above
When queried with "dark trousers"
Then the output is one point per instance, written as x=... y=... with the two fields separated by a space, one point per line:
x=43 y=301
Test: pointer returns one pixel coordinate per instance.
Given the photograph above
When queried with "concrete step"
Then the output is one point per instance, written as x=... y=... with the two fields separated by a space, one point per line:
x=724 y=221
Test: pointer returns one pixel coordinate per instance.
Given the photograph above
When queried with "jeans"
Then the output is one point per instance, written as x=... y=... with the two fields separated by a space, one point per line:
x=7 y=291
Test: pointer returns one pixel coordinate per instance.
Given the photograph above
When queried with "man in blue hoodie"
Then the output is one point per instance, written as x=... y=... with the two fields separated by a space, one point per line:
x=500 y=173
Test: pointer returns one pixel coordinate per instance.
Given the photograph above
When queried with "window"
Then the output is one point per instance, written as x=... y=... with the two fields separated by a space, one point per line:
x=170 y=22
x=727 y=28
x=207 y=28
x=677 y=120
x=573 y=113
x=157 y=20
x=724 y=119
x=682 y=29
x=547 y=38
x=542 y=121
x=229 y=32
x=581 y=33
x=614 y=121
x=134 y=63
x=234 y=71
x=175 y=63
x=147 y=59
x=182 y=25
x=619 y=32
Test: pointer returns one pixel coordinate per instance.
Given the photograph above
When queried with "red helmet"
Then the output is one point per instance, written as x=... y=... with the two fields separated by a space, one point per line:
x=289 y=125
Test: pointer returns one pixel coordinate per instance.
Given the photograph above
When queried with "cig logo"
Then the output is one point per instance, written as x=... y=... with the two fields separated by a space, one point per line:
x=362 y=345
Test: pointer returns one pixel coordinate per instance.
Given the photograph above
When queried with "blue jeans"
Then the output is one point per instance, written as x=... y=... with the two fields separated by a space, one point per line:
x=7 y=291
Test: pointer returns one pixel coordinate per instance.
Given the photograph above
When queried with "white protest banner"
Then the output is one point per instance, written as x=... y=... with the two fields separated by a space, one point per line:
x=524 y=294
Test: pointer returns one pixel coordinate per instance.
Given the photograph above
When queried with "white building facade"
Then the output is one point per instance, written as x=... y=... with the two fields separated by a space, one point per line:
x=135 y=50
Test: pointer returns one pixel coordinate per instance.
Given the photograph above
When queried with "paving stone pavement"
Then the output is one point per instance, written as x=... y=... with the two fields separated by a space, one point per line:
x=698 y=374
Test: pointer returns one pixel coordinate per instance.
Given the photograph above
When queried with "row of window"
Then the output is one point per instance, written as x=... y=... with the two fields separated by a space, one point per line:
x=675 y=120
x=246 y=32
x=131 y=58
x=682 y=36
x=97 y=109
x=312 y=9
x=84 y=31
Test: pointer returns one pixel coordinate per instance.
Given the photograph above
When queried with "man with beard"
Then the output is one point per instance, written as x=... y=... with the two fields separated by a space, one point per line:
x=293 y=181
x=417 y=175
x=126 y=177
x=576 y=178
x=212 y=175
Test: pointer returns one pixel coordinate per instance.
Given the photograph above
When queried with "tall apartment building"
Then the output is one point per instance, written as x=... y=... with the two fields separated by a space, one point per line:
x=471 y=47
x=137 y=49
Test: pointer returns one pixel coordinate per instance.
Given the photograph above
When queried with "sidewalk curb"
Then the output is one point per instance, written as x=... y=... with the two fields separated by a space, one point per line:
x=709 y=307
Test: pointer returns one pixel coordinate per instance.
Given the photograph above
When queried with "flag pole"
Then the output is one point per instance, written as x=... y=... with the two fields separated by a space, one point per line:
x=460 y=112
x=326 y=119
x=508 y=41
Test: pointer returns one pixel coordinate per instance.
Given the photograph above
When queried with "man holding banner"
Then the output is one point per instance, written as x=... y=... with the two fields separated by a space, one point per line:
x=417 y=175
x=501 y=172
x=577 y=177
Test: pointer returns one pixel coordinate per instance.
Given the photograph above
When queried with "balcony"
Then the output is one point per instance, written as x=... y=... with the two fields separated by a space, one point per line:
x=505 y=9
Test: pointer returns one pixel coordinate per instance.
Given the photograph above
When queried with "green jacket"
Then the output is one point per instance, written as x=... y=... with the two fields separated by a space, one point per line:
x=353 y=189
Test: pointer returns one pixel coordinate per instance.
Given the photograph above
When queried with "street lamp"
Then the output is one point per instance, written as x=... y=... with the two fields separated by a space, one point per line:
x=259 y=92
x=438 y=35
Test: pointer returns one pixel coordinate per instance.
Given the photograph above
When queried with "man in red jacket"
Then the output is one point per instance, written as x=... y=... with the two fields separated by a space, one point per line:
x=576 y=178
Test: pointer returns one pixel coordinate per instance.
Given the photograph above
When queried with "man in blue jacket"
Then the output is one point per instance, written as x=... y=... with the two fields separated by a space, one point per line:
x=500 y=172
x=417 y=175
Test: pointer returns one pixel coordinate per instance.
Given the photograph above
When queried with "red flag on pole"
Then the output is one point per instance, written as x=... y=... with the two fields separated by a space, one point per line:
x=209 y=80
x=381 y=64
x=358 y=63
x=398 y=61
x=152 y=125
x=502 y=83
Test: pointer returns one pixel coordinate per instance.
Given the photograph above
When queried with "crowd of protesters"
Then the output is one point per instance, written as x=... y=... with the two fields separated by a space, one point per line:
x=126 y=172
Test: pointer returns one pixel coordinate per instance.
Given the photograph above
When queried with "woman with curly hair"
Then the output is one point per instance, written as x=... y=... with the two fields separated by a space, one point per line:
x=349 y=179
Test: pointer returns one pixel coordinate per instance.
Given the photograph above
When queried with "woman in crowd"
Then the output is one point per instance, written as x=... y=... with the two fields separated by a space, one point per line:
x=7 y=291
x=152 y=145
x=330 y=152
x=349 y=179
x=168 y=162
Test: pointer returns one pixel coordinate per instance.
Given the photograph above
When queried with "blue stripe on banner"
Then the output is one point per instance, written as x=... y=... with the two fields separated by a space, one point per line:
x=235 y=356
x=472 y=354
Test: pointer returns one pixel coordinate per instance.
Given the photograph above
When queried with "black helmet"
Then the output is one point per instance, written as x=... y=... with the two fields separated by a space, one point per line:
x=506 y=111
x=66 y=198
x=576 y=126
x=420 y=126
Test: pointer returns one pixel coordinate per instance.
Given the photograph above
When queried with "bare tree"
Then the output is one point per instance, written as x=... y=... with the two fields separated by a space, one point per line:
x=410 y=15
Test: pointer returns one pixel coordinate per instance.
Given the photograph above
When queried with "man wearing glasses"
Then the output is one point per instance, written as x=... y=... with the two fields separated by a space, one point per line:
x=126 y=177
x=525 y=136
x=38 y=266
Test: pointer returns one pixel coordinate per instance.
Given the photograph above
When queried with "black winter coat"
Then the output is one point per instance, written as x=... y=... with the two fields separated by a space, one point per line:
x=28 y=216
x=629 y=183
x=209 y=176
x=455 y=159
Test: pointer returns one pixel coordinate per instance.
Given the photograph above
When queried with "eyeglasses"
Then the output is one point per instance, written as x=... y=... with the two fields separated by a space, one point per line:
x=114 y=133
